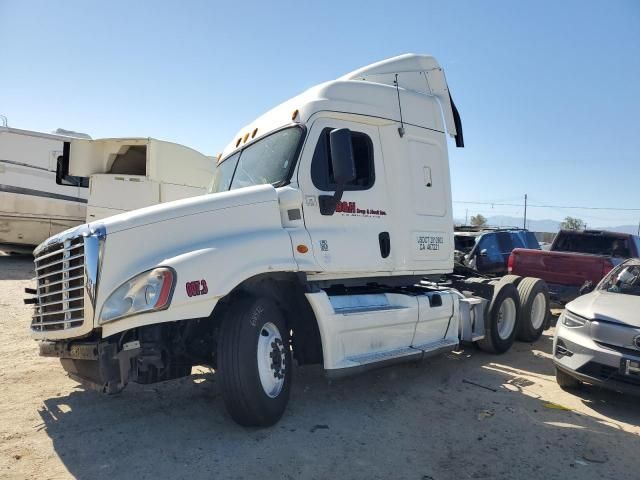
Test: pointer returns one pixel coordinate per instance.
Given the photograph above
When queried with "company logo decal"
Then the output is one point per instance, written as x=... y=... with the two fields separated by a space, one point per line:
x=350 y=208
x=198 y=287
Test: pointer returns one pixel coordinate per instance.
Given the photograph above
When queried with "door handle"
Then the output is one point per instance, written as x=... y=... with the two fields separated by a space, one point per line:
x=385 y=244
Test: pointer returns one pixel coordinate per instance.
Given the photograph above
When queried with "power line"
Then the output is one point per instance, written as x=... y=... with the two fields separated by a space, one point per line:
x=529 y=205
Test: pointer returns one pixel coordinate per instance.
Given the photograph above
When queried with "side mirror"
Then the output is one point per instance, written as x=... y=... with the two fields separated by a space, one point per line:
x=587 y=287
x=344 y=168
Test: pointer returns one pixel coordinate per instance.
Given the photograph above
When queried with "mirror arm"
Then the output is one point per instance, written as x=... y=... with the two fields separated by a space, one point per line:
x=328 y=203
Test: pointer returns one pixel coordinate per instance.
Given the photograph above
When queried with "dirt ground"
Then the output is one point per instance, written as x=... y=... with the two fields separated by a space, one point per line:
x=415 y=421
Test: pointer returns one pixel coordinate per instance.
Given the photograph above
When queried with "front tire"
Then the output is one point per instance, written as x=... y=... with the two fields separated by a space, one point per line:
x=254 y=361
x=502 y=319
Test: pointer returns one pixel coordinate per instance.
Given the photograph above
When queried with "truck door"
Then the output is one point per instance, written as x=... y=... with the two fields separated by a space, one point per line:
x=356 y=237
x=489 y=258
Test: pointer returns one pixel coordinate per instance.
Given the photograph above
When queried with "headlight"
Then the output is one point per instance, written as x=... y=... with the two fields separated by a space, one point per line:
x=572 y=320
x=149 y=291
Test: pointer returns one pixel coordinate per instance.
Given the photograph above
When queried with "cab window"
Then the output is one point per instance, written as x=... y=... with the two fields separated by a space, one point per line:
x=322 y=168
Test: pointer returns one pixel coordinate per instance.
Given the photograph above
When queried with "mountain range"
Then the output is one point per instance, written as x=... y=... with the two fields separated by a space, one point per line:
x=547 y=225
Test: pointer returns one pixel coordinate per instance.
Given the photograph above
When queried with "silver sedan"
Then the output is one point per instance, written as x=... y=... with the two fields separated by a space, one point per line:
x=597 y=338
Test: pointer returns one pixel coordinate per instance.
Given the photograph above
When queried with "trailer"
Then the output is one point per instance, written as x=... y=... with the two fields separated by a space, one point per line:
x=52 y=182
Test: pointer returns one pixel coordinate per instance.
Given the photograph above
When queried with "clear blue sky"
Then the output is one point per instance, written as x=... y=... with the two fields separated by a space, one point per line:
x=548 y=90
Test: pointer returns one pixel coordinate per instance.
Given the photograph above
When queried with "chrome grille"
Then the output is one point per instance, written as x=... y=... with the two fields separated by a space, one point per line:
x=60 y=286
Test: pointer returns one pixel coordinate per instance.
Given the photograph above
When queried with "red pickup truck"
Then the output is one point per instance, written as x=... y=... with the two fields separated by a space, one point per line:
x=575 y=257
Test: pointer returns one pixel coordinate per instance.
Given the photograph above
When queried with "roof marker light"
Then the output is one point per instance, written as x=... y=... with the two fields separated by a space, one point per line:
x=255 y=131
x=294 y=115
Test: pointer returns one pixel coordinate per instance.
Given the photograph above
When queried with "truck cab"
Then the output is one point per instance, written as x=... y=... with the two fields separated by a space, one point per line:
x=324 y=238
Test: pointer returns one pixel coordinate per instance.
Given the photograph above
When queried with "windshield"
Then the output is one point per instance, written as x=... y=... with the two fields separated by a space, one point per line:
x=625 y=278
x=269 y=160
x=597 y=244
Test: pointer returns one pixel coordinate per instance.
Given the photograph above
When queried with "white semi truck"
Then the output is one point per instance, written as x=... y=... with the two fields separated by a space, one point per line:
x=327 y=237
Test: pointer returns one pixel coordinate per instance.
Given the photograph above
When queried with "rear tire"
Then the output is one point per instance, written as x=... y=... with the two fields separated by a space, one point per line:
x=534 y=301
x=254 y=361
x=566 y=381
x=515 y=279
x=502 y=319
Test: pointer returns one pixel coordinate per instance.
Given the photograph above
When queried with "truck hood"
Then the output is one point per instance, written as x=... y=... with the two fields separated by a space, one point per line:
x=611 y=307
x=189 y=206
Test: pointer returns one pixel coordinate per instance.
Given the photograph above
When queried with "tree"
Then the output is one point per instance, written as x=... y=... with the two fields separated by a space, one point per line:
x=478 y=220
x=571 y=223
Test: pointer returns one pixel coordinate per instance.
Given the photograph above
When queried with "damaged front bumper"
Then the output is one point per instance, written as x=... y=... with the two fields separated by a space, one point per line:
x=98 y=365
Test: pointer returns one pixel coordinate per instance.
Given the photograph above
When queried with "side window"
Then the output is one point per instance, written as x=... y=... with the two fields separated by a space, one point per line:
x=532 y=241
x=322 y=168
x=505 y=241
x=224 y=173
x=518 y=240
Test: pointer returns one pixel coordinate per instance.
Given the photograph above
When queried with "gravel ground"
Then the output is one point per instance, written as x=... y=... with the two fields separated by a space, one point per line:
x=414 y=421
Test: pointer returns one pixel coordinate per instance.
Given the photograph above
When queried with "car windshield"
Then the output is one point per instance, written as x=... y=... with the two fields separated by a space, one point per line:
x=625 y=279
x=594 y=243
x=267 y=161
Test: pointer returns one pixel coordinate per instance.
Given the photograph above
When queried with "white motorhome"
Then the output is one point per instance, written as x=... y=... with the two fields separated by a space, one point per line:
x=51 y=182
x=327 y=237
x=33 y=206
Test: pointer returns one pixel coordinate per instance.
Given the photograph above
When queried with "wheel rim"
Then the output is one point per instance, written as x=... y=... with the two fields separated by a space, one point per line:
x=506 y=318
x=538 y=311
x=271 y=360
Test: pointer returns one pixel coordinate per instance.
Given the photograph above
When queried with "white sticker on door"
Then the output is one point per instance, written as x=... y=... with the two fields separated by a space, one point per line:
x=430 y=245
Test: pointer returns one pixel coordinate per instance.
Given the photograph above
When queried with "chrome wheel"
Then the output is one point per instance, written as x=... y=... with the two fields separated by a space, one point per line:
x=538 y=311
x=271 y=360
x=506 y=318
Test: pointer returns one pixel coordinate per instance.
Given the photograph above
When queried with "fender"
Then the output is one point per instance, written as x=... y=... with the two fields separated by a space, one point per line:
x=221 y=267
x=223 y=247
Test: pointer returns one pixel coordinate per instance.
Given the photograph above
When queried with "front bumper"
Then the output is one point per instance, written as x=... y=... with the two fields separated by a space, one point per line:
x=95 y=364
x=577 y=354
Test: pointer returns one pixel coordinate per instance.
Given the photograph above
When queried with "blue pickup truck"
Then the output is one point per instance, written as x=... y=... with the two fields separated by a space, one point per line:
x=487 y=249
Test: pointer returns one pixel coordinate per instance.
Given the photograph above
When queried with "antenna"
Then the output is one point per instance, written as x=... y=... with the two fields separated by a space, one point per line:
x=401 y=129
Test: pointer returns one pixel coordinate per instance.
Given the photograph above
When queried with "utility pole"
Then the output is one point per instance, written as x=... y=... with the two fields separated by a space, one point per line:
x=525 y=211
x=466 y=217
x=638 y=228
